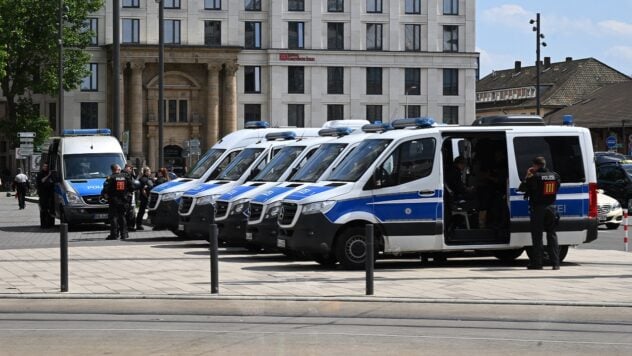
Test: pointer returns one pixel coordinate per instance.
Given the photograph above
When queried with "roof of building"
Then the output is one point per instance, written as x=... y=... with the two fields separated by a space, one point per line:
x=606 y=107
x=564 y=83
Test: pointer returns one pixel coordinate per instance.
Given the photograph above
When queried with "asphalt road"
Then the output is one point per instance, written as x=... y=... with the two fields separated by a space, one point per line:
x=129 y=327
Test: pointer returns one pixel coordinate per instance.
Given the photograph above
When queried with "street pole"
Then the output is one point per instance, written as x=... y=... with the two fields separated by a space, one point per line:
x=161 y=79
x=60 y=70
x=116 y=68
x=537 y=65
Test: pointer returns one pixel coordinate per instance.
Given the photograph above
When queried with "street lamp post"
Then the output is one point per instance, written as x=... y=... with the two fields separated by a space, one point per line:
x=116 y=69
x=60 y=69
x=406 y=105
x=161 y=78
x=539 y=36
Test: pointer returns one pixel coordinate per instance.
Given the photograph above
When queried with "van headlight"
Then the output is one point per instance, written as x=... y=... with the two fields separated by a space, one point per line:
x=206 y=200
x=318 y=207
x=73 y=198
x=273 y=210
x=240 y=206
x=171 y=196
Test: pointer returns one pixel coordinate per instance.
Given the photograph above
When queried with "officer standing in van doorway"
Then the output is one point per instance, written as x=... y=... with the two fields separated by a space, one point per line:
x=118 y=188
x=540 y=187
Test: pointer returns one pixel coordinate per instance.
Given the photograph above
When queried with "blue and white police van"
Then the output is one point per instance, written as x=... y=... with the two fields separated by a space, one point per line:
x=264 y=207
x=196 y=209
x=396 y=180
x=81 y=161
x=232 y=208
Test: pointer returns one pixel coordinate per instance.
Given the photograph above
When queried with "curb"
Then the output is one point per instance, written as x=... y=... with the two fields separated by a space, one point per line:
x=367 y=299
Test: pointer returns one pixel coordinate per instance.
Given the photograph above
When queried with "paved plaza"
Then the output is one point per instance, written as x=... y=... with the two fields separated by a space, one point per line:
x=157 y=264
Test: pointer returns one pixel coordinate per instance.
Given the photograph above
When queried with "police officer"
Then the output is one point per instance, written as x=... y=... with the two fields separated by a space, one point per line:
x=146 y=183
x=117 y=189
x=45 y=192
x=540 y=187
x=131 y=216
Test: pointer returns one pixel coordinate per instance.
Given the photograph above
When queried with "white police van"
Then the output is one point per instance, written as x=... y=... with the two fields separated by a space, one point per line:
x=232 y=208
x=264 y=207
x=396 y=180
x=81 y=161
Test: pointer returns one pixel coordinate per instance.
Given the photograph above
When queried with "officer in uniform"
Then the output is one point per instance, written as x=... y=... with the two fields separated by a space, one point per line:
x=117 y=189
x=130 y=217
x=540 y=187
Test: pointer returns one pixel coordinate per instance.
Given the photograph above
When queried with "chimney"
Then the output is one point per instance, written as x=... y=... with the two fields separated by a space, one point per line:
x=517 y=66
x=569 y=59
x=547 y=62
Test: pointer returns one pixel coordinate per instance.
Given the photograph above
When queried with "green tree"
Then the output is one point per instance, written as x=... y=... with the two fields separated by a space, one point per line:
x=28 y=33
x=28 y=120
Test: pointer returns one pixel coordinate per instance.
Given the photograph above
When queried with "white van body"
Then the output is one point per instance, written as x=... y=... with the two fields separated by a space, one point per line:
x=328 y=218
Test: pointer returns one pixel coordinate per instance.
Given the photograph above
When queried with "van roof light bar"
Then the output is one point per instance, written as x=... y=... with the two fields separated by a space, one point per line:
x=86 y=132
x=281 y=136
x=509 y=120
x=418 y=122
x=336 y=131
x=257 y=125
x=377 y=127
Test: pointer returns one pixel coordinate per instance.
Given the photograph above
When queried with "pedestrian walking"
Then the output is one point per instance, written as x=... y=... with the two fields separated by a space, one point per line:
x=45 y=189
x=131 y=215
x=21 y=186
x=540 y=187
x=146 y=183
x=117 y=189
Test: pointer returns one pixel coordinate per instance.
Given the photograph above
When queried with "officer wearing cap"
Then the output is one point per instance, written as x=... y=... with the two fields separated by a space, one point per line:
x=540 y=187
x=118 y=189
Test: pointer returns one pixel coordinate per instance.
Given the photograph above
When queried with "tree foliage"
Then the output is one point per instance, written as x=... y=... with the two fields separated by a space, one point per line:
x=28 y=120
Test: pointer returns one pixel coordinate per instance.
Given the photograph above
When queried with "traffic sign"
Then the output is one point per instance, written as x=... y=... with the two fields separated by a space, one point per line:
x=611 y=141
x=26 y=134
x=27 y=139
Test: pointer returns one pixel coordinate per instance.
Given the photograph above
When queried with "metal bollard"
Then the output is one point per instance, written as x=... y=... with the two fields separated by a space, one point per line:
x=63 y=249
x=625 y=229
x=213 y=246
x=369 y=259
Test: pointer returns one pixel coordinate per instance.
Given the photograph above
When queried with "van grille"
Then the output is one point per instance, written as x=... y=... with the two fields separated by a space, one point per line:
x=95 y=200
x=153 y=200
x=288 y=211
x=221 y=208
x=255 y=211
x=185 y=204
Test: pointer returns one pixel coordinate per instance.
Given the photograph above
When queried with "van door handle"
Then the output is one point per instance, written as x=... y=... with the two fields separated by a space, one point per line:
x=426 y=193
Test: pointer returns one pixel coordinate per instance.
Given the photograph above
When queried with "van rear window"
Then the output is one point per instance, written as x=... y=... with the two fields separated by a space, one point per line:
x=563 y=155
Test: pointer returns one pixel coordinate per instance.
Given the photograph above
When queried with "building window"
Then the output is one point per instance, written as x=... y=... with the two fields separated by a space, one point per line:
x=253 y=35
x=450 y=81
x=212 y=4
x=52 y=115
x=413 y=37
x=374 y=81
x=176 y=110
x=335 y=112
x=450 y=7
x=92 y=25
x=296 y=80
x=213 y=33
x=451 y=115
x=296 y=35
x=252 y=79
x=252 y=112
x=413 y=7
x=374 y=36
x=413 y=111
x=374 y=113
x=335 y=5
x=335 y=35
x=183 y=111
x=450 y=38
x=172 y=4
x=171 y=113
x=296 y=5
x=374 y=6
x=296 y=115
x=131 y=30
x=172 y=31
x=91 y=82
x=89 y=115
x=335 y=80
x=253 y=5
x=131 y=3
x=412 y=84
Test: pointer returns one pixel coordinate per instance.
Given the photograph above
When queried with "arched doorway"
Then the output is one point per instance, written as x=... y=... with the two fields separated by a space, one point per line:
x=173 y=159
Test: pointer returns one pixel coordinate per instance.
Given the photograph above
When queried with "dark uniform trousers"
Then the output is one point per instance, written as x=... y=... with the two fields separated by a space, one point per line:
x=118 y=214
x=543 y=219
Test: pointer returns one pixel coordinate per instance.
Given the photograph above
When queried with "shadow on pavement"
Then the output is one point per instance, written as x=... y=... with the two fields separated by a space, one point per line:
x=29 y=228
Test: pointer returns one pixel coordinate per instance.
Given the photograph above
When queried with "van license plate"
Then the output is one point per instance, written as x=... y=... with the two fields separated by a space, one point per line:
x=100 y=216
x=181 y=227
x=249 y=236
x=280 y=243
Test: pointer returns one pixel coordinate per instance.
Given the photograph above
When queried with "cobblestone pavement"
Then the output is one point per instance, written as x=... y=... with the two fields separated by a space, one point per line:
x=154 y=263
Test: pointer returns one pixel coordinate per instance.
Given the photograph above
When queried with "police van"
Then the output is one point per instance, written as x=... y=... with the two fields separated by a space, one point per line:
x=264 y=208
x=81 y=161
x=232 y=208
x=397 y=181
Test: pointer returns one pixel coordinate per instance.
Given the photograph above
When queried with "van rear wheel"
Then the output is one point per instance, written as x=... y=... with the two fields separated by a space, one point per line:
x=351 y=248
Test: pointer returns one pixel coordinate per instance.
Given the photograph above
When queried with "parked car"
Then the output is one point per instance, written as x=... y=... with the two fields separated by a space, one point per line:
x=615 y=179
x=610 y=211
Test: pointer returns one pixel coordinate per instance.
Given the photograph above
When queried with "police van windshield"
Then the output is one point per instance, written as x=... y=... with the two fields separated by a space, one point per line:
x=205 y=163
x=279 y=164
x=241 y=163
x=89 y=166
x=356 y=163
x=319 y=162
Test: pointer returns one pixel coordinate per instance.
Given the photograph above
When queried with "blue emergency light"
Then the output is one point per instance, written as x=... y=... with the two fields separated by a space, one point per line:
x=86 y=132
x=376 y=127
x=281 y=136
x=336 y=131
x=418 y=122
x=567 y=120
x=257 y=125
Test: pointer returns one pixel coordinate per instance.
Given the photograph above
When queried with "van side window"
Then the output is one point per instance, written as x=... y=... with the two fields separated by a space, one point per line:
x=562 y=153
x=610 y=173
x=412 y=160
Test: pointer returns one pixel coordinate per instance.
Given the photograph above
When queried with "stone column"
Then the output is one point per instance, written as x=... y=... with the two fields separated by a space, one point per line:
x=212 y=109
x=152 y=159
x=136 y=109
x=230 y=98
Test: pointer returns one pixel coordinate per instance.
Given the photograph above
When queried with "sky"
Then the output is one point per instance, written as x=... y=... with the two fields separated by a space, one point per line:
x=601 y=29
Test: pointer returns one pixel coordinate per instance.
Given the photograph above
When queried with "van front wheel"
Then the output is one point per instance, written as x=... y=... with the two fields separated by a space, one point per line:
x=351 y=248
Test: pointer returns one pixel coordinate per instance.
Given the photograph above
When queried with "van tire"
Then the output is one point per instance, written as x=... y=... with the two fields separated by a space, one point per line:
x=325 y=260
x=612 y=226
x=351 y=248
x=508 y=255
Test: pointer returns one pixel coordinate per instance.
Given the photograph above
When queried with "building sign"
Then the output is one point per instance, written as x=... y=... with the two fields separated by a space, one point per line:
x=505 y=94
x=295 y=57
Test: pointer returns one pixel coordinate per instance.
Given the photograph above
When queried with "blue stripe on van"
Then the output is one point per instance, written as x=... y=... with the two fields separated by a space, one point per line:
x=235 y=192
x=565 y=207
x=270 y=193
x=577 y=189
